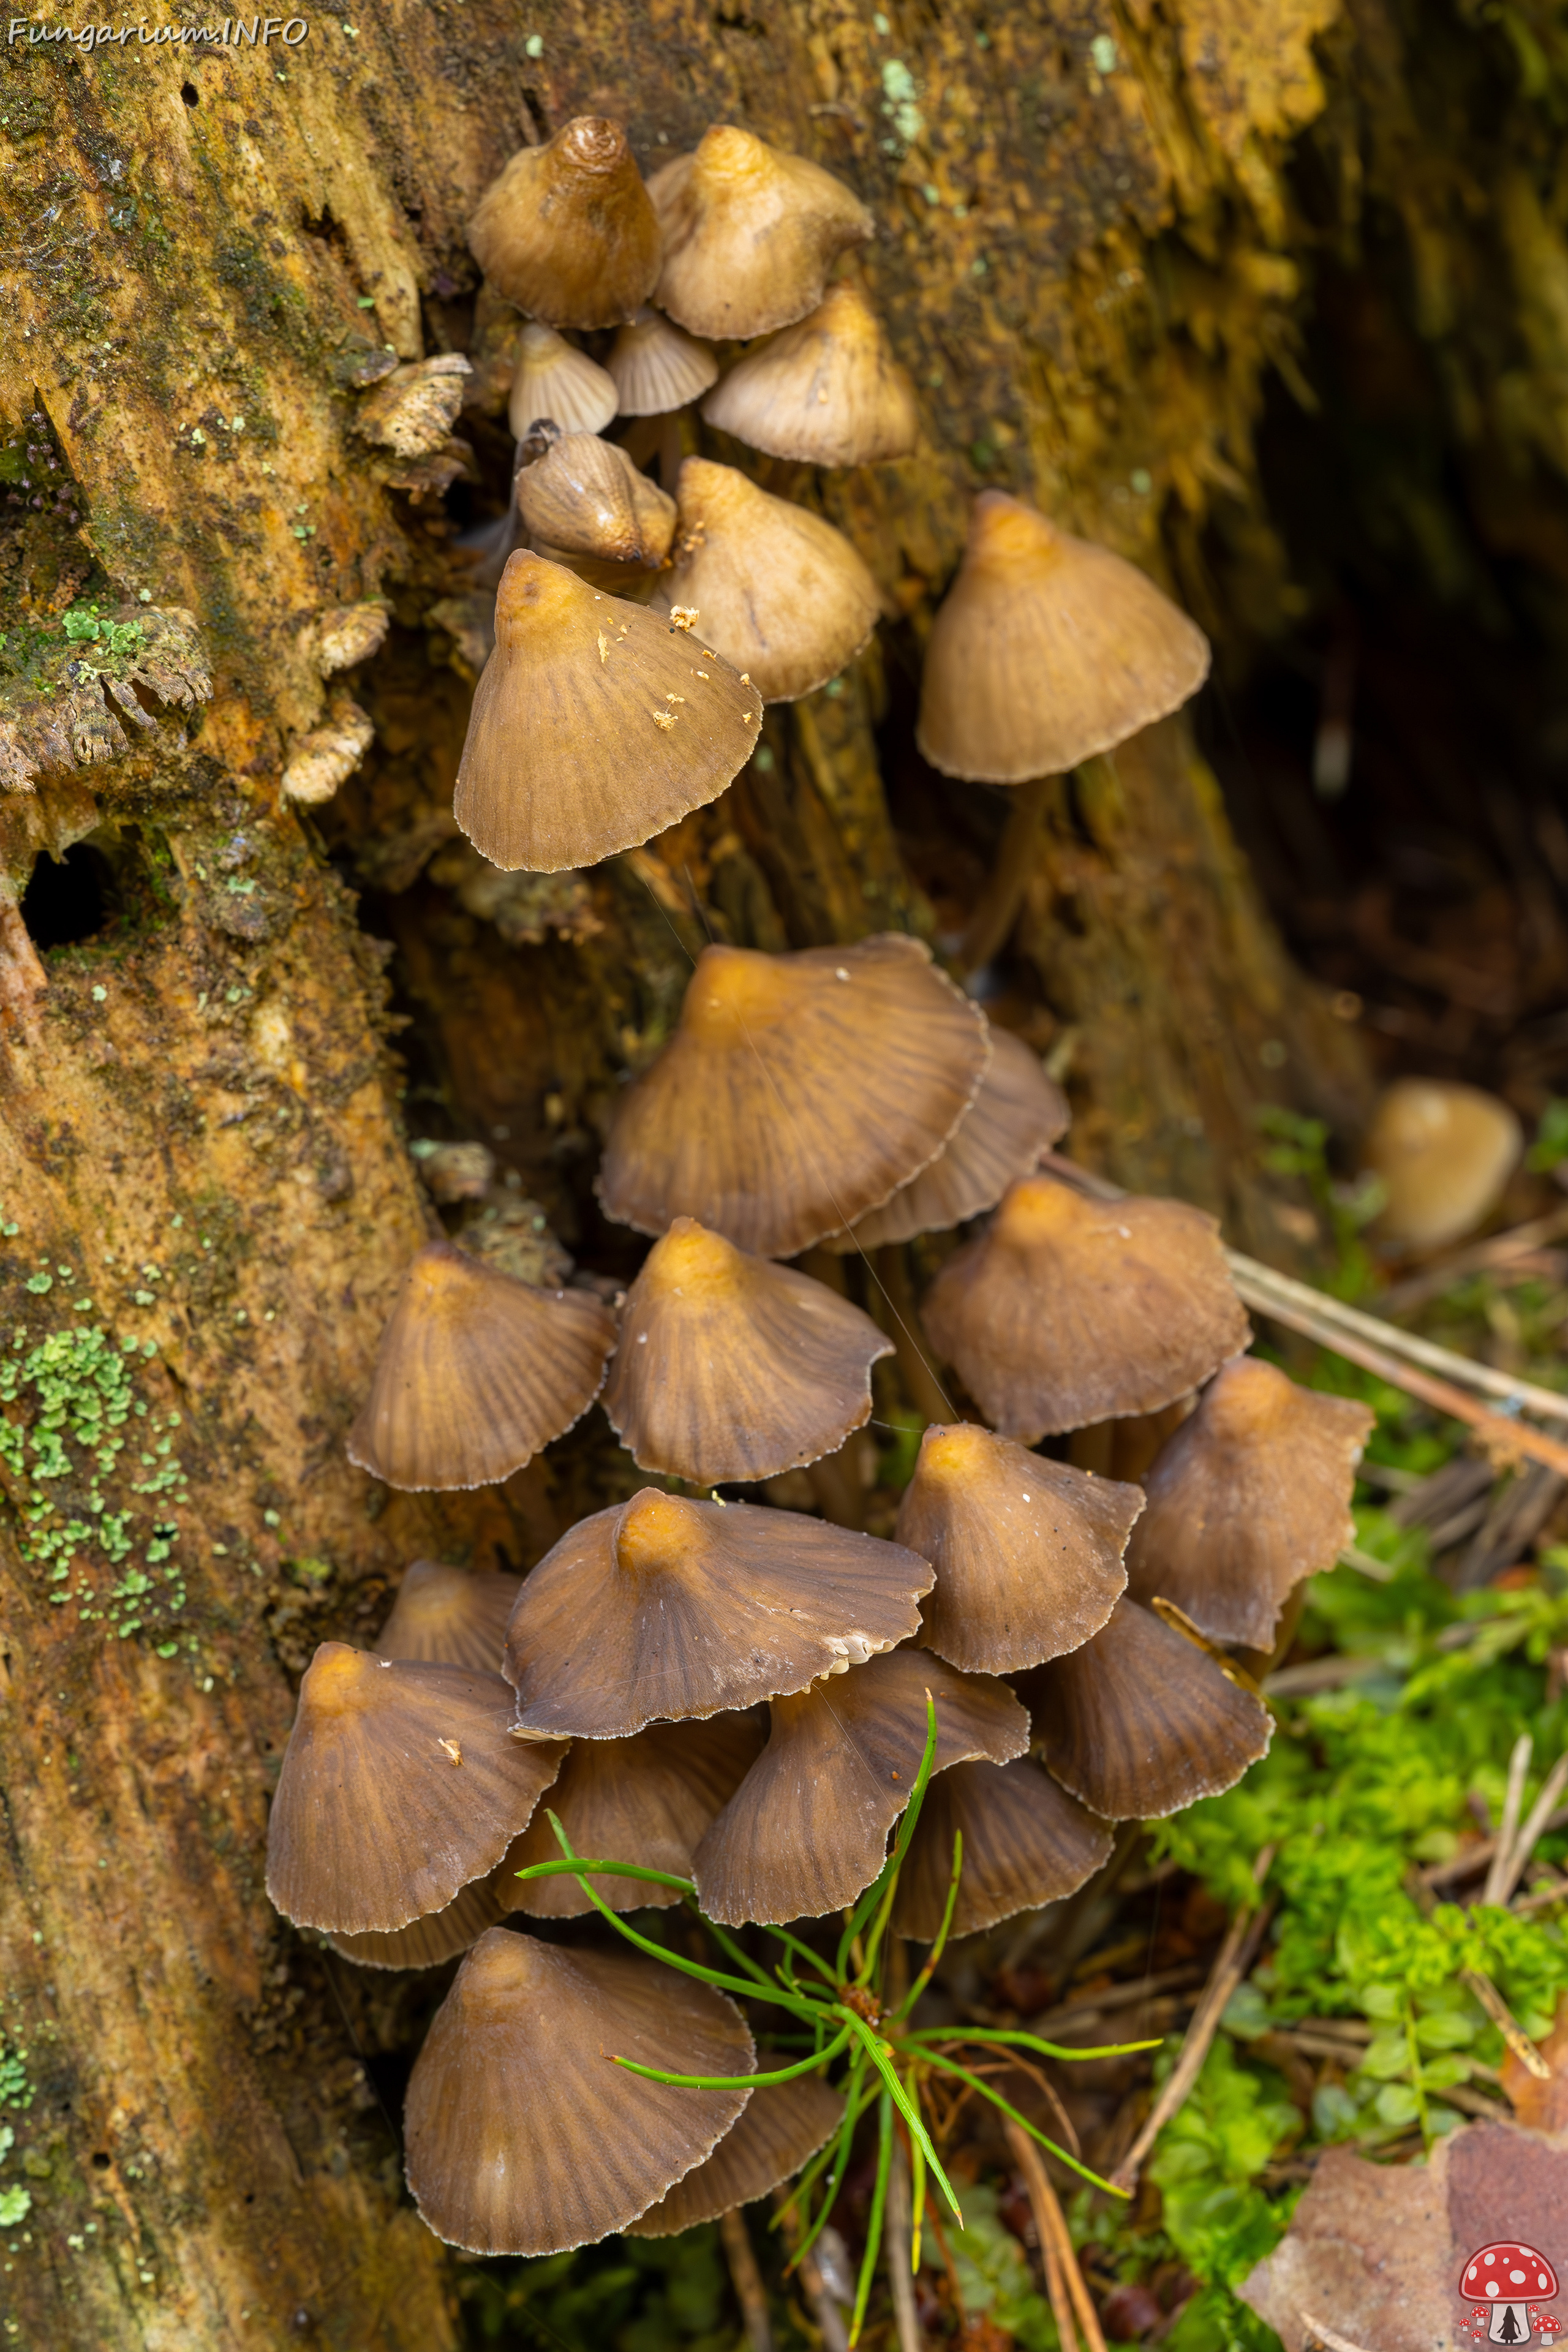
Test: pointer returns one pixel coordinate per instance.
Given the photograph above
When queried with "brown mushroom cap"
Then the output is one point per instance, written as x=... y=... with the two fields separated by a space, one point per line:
x=783 y=2126
x=799 y=1092
x=594 y=726
x=783 y=595
x=1018 y=1113
x=400 y=1784
x=828 y=390
x=1045 y=650
x=806 y=1831
x=647 y=1799
x=586 y=497
x=456 y=1616
x=476 y=1373
x=1027 y=1553
x=552 y=378
x=425 y=1943
x=1250 y=1495
x=749 y=232
x=1141 y=1722
x=568 y=231
x=523 y=2137
x=1444 y=1152
x=1067 y=1311
x=657 y=368
x=662 y=1609
x=730 y=1367
x=1025 y=1842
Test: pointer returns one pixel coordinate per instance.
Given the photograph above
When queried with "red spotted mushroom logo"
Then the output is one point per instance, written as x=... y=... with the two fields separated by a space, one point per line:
x=1506 y=2285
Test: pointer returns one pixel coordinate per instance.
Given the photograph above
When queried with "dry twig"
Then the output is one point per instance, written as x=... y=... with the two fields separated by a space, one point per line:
x=1322 y=2339
x=1508 y=1828
x=1072 y=2306
x=750 y=2292
x=900 y=2234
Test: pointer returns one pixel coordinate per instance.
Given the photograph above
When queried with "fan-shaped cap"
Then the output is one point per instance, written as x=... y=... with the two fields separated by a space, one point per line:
x=645 y=1800
x=1025 y=1842
x=664 y=1609
x=730 y=1367
x=657 y=368
x=797 y=1092
x=1443 y=1152
x=552 y=378
x=749 y=232
x=828 y=390
x=1141 y=1722
x=476 y=1373
x=456 y=1616
x=586 y=497
x=1045 y=650
x=806 y=1831
x=1067 y=1311
x=783 y=2126
x=1018 y=1113
x=782 y=595
x=400 y=1783
x=1027 y=1553
x=595 y=726
x=523 y=2137
x=568 y=231
x=425 y=1943
x=1251 y=1493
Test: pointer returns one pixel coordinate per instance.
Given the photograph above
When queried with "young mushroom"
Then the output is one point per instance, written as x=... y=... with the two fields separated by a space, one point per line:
x=729 y=1367
x=552 y=378
x=456 y=1616
x=799 y=1092
x=749 y=232
x=568 y=231
x=783 y=2126
x=1046 y=650
x=661 y=1608
x=475 y=1373
x=1025 y=1842
x=1444 y=1153
x=584 y=496
x=522 y=2135
x=1251 y=1493
x=593 y=725
x=826 y=391
x=655 y=368
x=1067 y=1311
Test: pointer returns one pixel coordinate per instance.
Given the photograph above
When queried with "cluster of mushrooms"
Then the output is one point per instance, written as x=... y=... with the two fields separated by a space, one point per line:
x=737 y=1702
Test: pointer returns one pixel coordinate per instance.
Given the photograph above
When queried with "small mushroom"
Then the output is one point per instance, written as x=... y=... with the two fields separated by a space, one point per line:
x=550 y=377
x=456 y=1616
x=781 y=594
x=661 y=1608
x=594 y=726
x=657 y=368
x=1249 y=1495
x=1507 y=2277
x=827 y=392
x=475 y=1373
x=731 y=1368
x=797 y=1092
x=568 y=231
x=1025 y=1842
x=1444 y=1153
x=1067 y=1311
x=749 y=232
x=584 y=496
x=523 y=2137
x=783 y=2126
x=1046 y=650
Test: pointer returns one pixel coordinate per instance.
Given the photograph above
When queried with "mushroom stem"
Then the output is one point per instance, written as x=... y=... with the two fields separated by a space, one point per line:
x=838 y=1491
x=921 y=1386
x=997 y=909
x=1065 y=2281
x=746 y=2278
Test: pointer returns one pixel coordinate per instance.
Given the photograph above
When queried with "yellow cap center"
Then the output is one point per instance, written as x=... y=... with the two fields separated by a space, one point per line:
x=537 y=602
x=735 y=993
x=1010 y=541
x=1247 y=1399
x=698 y=1264
x=656 y=1533
x=339 y=1680
x=728 y=152
x=954 y=1453
x=1038 y=1209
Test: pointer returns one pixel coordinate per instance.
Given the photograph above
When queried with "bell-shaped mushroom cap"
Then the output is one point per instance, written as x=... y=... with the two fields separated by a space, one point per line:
x=568 y=231
x=657 y=368
x=552 y=378
x=750 y=234
x=797 y=1092
x=1251 y=1493
x=1141 y=1722
x=586 y=497
x=730 y=1367
x=475 y=1373
x=806 y=1831
x=779 y=592
x=456 y=1616
x=1027 y=1553
x=826 y=391
x=425 y=1943
x=663 y=1608
x=522 y=2135
x=1025 y=1842
x=400 y=1783
x=1444 y=1152
x=1018 y=1113
x=1066 y=1311
x=1045 y=650
x=783 y=2126
x=647 y=1799
x=595 y=726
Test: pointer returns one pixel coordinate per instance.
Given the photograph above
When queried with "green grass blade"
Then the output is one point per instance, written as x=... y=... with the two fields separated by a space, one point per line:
x=1007 y=2035
x=874 y=2222
x=736 y=2082
x=577 y=1868
x=907 y=1829
x=948 y=2066
x=937 y=1949
x=881 y=2061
